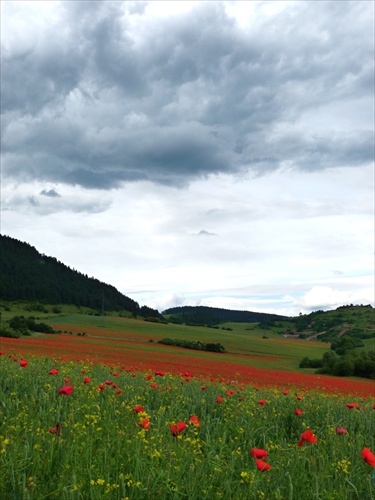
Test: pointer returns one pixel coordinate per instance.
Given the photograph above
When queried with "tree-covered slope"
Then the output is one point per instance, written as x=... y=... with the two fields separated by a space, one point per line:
x=25 y=274
x=214 y=315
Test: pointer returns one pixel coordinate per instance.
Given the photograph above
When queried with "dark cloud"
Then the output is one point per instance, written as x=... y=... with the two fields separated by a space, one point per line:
x=51 y=193
x=104 y=94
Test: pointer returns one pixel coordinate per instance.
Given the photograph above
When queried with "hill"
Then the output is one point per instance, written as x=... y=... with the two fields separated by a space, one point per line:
x=28 y=275
x=203 y=315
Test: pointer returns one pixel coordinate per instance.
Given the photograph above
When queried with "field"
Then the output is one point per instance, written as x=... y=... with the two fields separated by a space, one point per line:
x=104 y=411
x=77 y=430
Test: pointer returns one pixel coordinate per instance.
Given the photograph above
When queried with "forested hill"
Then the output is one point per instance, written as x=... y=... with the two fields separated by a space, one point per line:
x=213 y=315
x=25 y=274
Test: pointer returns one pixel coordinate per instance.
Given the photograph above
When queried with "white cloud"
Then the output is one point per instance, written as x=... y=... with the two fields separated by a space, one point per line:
x=198 y=152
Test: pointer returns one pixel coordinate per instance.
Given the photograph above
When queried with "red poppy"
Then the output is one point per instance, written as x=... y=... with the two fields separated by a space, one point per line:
x=160 y=373
x=168 y=387
x=194 y=420
x=145 y=423
x=368 y=456
x=138 y=409
x=119 y=391
x=258 y=453
x=262 y=466
x=86 y=380
x=352 y=405
x=148 y=377
x=116 y=374
x=285 y=392
x=341 y=430
x=307 y=437
x=299 y=398
x=66 y=380
x=23 y=363
x=298 y=412
x=55 y=371
x=154 y=386
x=262 y=402
x=56 y=430
x=177 y=428
x=219 y=399
x=204 y=387
x=101 y=387
x=67 y=390
x=108 y=382
x=83 y=372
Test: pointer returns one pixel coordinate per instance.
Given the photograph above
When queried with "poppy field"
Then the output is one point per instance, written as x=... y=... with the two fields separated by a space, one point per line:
x=73 y=429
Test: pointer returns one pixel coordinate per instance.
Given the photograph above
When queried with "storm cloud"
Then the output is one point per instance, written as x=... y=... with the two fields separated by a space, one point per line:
x=97 y=94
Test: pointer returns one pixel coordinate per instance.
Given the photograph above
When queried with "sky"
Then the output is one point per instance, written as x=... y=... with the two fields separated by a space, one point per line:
x=194 y=153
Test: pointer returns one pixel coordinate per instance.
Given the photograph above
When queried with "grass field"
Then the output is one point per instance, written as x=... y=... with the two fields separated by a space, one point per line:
x=83 y=431
x=133 y=342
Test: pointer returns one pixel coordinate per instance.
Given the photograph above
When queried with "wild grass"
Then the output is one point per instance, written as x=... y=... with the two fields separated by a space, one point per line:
x=102 y=451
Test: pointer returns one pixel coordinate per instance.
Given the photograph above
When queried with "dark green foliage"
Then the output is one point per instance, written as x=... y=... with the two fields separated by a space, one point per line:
x=345 y=343
x=202 y=315
x=311 y=363
x=349 y=363
x=193 y=344
x=24 y=325
x=28 y=275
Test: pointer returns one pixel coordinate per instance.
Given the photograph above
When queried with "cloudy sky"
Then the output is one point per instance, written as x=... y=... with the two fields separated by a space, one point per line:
x=212 y=153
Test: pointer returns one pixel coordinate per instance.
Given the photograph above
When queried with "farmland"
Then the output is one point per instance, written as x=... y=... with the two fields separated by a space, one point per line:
x=253 y=355
x=102 y=410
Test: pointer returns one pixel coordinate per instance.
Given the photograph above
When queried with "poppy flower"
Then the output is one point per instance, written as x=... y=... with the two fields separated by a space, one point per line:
x=368 y=456
x=23 y=363
x=160 y=373
x=116 y=374
x=56 y=430
x=138 y=409
x=262 y=466
x=154 y=386
x=285 y=392
x=101 y=387
x=194 y=420
x=148 y=377
x=298 y=412
x=108 y=382
x=83 y=371
x=258 y=453
x=299 y=398
x=67 y=380
x=204 y=387
x=119 y=391
x=219 y=399
x=307 y=437
x=262 y=402
x=352 y=405
x=177 y=428
x=86 y=380
x=67 y=390
x=145 y=423
x=55 y=371
x=341 y=430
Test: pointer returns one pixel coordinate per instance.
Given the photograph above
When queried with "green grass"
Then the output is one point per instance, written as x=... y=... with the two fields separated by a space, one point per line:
x=103 y=452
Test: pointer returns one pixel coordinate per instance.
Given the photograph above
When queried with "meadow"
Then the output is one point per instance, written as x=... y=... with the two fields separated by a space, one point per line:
x=104 y=411
x=83 y=430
